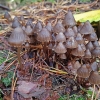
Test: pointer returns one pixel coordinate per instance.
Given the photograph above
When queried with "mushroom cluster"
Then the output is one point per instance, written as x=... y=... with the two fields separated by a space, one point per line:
x=65 y=39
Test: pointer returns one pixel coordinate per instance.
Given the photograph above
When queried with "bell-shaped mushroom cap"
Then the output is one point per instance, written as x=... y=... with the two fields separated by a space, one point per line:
x=75 y=30
x=79 y=38
x=94 y=77
x=83 y=46
x=62 y=56
x=44 y=35
x=91 y=37
x=60 y=37
x=71 y=43
x=69 y=19
x=94 y=66
x=76 y=65
x=7 y=16
x=49 y=27
x=16 y=23
x=69 y=33
x=96 y=52
x=78 y=51
x=87 y=54
x=38 y=27
x=89 y=46
x=95 y=44
x=28 y=30
x=60 y=48
x=87 y=28
x=80 y=26
x=17 y=38
x=58 y=27
x=83 y=72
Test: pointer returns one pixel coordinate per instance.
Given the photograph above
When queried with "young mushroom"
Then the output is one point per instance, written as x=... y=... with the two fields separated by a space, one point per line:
x=16 y=39
x=94 y=78
x=7 y=16
x=83 y=72
x=69 y=20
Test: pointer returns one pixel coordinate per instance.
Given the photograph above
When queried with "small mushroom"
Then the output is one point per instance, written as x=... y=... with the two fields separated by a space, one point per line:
x=38 y=27
x=60 y=37
x=95 y=44
x=44 y=35
x=58 y=27
x=28 y=30
x=75 y=30
x=69 y=33
x=83 y=72
x=69 y=20
x=16 y=23
x=7 y=16
x=87 y=28
x=96 y=52
x=49 y=27
x=79 y=38
x=94 y=78
x=87 y=54
x=71 y=43
x=78 y=51
x=60 y=48
x=16 y=39
x=89 y=46
x=91 y=37
x=94 y=66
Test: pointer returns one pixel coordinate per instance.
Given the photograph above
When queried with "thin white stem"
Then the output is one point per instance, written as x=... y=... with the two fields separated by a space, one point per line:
x=97 y=94
x=93 y=92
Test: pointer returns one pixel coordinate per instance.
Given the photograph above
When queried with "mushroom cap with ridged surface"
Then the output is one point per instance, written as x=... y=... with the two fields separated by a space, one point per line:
x=86 y=28
x=94 y=78
x=60 y=48
x=71 y=43
x=60 y=37
x=18 y=37
x=44 y=35
x=69 y=20
x=83 y=72
x=69 y=33
x=58 y=27
x=78 y=51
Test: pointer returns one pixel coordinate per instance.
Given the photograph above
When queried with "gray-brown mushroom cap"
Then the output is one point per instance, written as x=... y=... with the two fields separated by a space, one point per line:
x=89 y=46
x=28 y=30
x=78 y=51
x=44 y=35
x=71 y=43
x=94 y=77
x=69 y=33
x=87 y=54
x=60 y=48
x=38 y=27
x=7 y=16
x=83 y=72
x=17 y=38
x=15 y=23
x=96 y=52
x=62 y=56
x=58 y=27
x=60 y=37
x=69 y=19
x=87 y=28
x=79 y=38
x=95 y=44
x=49 y=27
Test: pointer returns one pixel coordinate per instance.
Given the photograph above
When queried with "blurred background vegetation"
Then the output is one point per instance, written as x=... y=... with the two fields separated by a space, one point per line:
x=16 y=3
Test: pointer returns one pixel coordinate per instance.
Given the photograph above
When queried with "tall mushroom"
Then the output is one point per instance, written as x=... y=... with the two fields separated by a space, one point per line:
x=16 y=39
